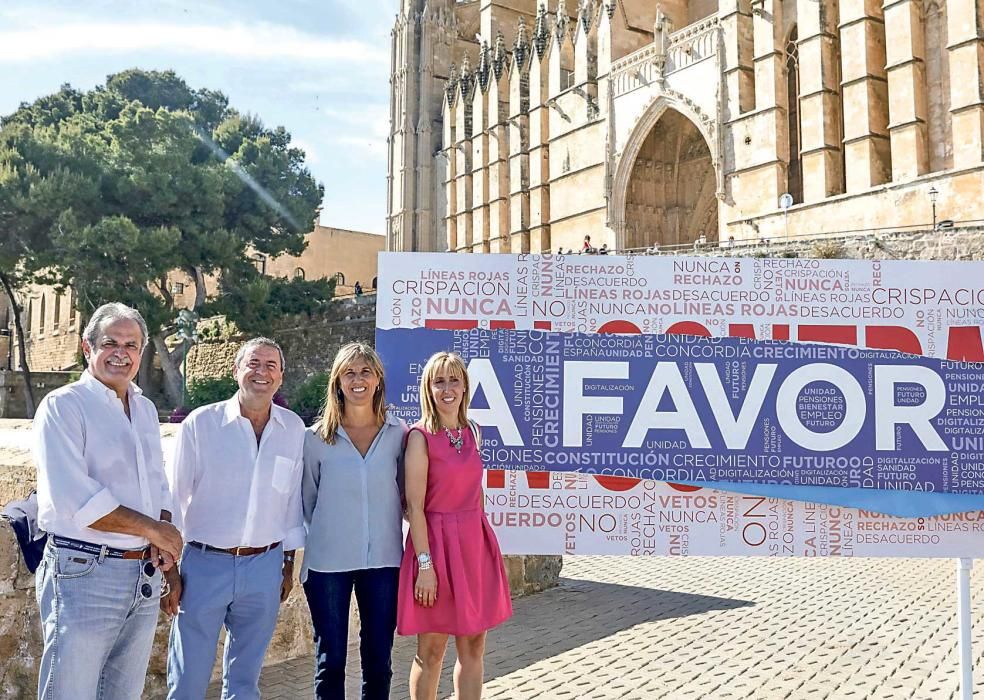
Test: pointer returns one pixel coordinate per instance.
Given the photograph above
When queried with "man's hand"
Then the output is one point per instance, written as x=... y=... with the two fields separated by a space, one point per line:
x=171 y=602
x=166 y=538
x=162 y=560
x=288 y=583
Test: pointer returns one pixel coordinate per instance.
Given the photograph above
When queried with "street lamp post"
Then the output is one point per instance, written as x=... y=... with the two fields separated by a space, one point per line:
x=785 y=202
x=933 y=194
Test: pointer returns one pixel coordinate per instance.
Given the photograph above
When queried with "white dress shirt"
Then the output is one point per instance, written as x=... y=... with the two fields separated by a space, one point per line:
x=91 y=459
x=229 y=492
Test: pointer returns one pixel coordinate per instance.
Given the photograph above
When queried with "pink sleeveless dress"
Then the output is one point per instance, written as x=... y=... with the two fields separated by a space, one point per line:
x=472 y=587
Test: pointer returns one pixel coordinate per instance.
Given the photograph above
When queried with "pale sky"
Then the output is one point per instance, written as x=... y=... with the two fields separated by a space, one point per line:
x=320 y=68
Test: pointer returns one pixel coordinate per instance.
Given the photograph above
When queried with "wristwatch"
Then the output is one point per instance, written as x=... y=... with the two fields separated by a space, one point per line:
x=424 y=560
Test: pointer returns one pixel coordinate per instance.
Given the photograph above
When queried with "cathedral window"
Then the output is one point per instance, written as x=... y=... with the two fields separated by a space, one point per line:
x=566 y=79
x=794 y=175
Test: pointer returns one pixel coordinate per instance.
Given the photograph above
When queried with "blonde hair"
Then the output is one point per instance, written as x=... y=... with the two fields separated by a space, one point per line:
x=442 y=362
x=333 y=408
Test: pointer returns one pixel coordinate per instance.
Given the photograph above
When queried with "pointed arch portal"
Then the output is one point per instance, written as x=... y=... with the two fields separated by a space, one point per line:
x=670 y=193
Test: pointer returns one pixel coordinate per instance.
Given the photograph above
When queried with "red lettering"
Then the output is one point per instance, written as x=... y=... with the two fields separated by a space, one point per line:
x=686 y=488
x=495 y=478
x=844 y=335
x=619 y=327
x=742 y=330
x=688 y=328
x=963 y=344
x=450 y=324
x=616 y=483
x=892 y=338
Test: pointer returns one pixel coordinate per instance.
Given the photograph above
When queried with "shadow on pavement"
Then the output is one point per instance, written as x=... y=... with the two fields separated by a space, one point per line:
x=572 y=615
x=583 y=611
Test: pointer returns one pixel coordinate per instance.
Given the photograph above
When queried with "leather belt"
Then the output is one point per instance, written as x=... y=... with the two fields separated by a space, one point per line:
x=235 y=551
x=100 y=550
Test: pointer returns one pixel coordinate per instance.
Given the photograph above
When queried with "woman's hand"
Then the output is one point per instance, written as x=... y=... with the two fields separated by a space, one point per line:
x=425 y=589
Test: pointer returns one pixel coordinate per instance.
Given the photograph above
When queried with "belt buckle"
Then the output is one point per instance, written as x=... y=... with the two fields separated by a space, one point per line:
x=236 y=551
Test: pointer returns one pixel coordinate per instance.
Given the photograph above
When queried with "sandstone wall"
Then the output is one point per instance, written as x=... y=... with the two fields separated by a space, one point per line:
x=348 y=256
x=54 y=350
x=51 y=329
x=13 y=399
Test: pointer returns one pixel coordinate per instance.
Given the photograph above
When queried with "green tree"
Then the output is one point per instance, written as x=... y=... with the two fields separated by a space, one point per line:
x=15 y=245
x=24 y=227
x=145 y=175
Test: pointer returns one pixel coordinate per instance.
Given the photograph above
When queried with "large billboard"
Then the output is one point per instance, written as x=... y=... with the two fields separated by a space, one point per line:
x=791 y=378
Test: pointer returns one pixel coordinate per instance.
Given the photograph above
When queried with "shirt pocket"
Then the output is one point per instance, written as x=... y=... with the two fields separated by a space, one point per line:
x=286 y=474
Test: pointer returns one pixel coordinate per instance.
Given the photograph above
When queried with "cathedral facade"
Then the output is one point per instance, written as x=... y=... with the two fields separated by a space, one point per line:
x=524 y=125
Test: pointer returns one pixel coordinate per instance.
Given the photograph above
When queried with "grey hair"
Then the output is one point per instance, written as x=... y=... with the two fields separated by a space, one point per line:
x=108 y=313
x=259 y=342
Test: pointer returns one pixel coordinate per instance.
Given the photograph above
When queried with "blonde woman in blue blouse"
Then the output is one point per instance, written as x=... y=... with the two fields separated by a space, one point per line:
x=353 y=514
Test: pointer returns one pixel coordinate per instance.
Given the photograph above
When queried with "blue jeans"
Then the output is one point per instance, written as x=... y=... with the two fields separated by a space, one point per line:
x=98 y=627
x=241 y=593
x=329 y=596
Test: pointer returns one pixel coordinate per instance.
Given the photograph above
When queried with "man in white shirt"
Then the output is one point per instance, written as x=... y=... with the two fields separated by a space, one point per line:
x=236 y=487
x=103 y=499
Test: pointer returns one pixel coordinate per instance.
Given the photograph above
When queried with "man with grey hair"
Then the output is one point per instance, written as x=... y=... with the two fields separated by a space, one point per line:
x=104 y=501
x=236 y=486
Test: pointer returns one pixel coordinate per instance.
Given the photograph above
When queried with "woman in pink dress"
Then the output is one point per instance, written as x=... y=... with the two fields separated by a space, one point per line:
x=452 y=579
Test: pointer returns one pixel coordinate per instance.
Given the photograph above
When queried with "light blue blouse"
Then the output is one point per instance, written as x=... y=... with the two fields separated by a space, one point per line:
x=353 y=508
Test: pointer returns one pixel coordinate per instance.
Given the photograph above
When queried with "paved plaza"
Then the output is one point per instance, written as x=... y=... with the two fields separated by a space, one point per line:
x=639 y=629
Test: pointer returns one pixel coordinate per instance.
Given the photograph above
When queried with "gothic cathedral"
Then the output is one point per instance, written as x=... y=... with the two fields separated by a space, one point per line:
x=523 y=125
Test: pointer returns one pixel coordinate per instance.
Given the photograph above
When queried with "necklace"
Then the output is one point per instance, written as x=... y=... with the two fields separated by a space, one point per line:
x=456 y=441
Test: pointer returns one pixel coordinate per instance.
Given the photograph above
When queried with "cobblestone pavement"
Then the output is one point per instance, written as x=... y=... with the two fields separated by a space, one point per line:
x=643 y=629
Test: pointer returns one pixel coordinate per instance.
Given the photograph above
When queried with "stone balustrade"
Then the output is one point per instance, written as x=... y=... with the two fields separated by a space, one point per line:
x=693 y=43
x=653 y=62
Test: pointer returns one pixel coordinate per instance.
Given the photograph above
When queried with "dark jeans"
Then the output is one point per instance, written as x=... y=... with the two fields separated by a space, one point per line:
x=329 y=596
